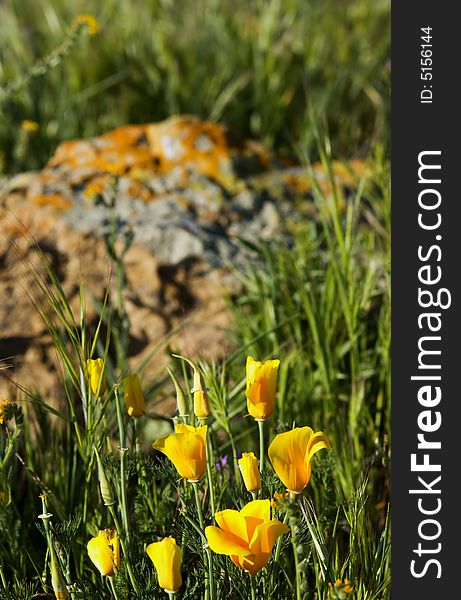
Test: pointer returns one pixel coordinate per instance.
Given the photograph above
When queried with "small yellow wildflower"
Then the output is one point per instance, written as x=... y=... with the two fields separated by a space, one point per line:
x=30 y=126
x=278 y=500
x=5 y=410
x=340 y=590
x=86 y=20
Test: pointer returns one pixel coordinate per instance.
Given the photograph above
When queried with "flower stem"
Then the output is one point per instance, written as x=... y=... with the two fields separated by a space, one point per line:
x=261 y=445
x=112 y=587
x=123 y=450
x=171 y=595
x=253 y=587
x=278 y=549
x=209 y=591
x=209 y=458
x=294 y=542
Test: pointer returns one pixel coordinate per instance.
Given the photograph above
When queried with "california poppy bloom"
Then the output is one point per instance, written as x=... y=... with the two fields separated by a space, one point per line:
x=247 y=536
x=104 y=551
x=261 y=380
x=95 y=375
x=290 y=454
x=250 y=471
x=186 y=448
x=134 y=397
x=167 y=558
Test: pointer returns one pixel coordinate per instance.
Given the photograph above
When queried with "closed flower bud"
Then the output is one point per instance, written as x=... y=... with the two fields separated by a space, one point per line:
x=104 y=552
x=250 y=472
x=261 y=380
x=104 y=485
x=181 y=400
x=57 y=580
x=134 y=396
x=95 y=375
x=167 y=558
x=201 y=403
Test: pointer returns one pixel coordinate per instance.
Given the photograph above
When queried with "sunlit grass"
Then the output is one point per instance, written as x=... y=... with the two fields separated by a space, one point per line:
x=265 y=69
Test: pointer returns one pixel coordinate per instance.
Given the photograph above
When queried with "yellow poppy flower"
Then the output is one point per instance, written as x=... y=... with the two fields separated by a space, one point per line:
x=186 y=448
x=261 y=379
x=247 y=536
x=167 y=558
x=290 y=454
x=250 y=472
x=134 y=397
x=104 y=551
x=95 y=374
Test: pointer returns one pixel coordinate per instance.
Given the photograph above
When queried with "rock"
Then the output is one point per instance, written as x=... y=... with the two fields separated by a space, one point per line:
x=185 y=192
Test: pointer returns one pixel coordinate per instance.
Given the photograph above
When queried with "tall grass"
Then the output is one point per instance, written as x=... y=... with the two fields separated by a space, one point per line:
x=265 y=69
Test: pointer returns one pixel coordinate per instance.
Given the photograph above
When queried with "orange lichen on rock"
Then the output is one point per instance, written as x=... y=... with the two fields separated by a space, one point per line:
x=191 y=143
x=174 y=156
x=54 y=200
x=159 y=147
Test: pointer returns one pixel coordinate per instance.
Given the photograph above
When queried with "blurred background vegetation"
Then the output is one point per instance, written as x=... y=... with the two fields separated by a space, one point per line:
x=265 y=68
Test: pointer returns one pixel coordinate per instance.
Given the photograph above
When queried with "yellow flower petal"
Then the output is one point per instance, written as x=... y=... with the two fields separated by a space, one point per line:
x=266 y=535
x=251 y=563
x=233 y=522
x=224 y=542
x=316 y=443
x=260 y=509
x=255 y=513
x=183 y=428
